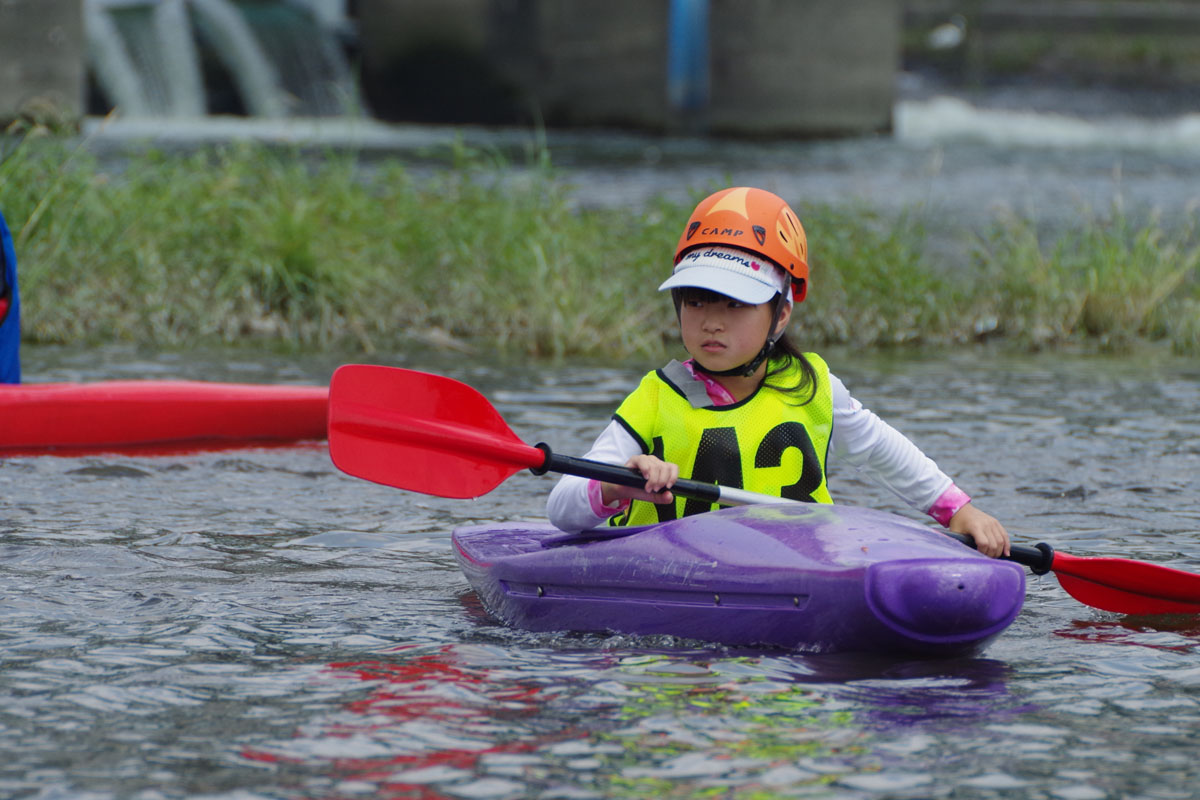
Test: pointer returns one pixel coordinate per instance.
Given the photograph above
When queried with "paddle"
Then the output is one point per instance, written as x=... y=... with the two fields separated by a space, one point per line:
x=432 y=434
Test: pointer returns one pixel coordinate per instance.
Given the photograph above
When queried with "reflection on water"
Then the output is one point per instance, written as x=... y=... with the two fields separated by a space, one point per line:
x=256 y=624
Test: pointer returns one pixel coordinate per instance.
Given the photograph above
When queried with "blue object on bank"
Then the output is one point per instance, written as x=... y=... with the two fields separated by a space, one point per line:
x=10 y=316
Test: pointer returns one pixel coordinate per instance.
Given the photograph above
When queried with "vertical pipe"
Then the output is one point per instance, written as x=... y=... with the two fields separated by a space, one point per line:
x=687 y=55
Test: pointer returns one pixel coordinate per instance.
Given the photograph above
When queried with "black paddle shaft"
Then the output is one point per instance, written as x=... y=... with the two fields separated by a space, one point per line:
x=625 y=476
x=1039 y=558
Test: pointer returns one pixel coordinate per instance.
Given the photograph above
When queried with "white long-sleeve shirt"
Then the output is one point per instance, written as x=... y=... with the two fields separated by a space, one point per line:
x=859 y=438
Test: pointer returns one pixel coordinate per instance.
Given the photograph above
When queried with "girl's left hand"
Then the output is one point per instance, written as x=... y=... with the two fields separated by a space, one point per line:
x=990 y=537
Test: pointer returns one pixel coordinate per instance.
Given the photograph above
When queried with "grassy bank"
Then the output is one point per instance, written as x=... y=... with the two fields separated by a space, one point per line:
x=247 y=244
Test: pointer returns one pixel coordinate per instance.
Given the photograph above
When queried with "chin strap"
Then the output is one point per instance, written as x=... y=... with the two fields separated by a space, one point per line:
x=751 y=366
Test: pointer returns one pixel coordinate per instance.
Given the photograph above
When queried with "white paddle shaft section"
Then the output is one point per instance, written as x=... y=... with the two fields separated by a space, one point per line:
x=741 y=497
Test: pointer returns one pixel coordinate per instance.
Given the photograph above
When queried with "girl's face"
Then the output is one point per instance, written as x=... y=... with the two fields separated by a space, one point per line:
x=722 y=333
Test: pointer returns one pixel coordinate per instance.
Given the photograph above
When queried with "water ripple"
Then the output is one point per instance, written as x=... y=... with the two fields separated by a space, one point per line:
x=258 y=625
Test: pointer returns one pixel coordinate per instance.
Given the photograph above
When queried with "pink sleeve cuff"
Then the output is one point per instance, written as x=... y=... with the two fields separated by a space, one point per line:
x=597 y=502
x=948 y=505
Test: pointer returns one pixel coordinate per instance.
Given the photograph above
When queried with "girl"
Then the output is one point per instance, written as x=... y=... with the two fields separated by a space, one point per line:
x=748 y=409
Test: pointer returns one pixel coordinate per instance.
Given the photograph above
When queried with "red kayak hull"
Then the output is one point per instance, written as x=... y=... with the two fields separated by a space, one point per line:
x=149 y=414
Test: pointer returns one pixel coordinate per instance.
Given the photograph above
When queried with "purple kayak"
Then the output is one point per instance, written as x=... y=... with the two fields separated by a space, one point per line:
x=807 y=577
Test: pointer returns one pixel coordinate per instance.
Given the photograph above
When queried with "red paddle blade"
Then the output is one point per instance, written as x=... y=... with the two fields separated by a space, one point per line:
x=1128 y=587
x=421 y=432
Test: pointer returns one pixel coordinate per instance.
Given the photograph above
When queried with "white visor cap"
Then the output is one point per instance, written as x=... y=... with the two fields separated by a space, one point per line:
x=731 y=272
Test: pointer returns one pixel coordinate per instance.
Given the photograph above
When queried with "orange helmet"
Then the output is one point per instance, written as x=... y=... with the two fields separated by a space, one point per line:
x=754 y=220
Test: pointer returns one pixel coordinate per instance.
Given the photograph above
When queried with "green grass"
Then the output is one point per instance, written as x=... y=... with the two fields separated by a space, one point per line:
x=247 y=244
x=1111 y=281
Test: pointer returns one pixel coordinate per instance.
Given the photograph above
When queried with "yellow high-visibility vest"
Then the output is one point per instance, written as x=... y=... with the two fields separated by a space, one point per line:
x=766 y=443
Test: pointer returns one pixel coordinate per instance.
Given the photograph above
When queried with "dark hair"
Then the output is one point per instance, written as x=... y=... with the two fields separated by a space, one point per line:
x=784 y=354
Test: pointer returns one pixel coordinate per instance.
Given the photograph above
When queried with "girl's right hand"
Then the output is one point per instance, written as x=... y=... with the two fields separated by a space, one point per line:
x=660 y=477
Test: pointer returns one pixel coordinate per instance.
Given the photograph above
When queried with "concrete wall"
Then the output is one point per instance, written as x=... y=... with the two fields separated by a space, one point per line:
x=42 y=59
x=561 y=62
x=431 y=61
x=601 y=62
x=387 y=27
x=776 y=67
x=811 y=68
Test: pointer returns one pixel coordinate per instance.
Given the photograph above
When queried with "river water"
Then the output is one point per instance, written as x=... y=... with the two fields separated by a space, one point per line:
x=255 y=624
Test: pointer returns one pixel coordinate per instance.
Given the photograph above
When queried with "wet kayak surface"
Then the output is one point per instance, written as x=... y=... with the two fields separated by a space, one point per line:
x=253 y=623
x=804 y=577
